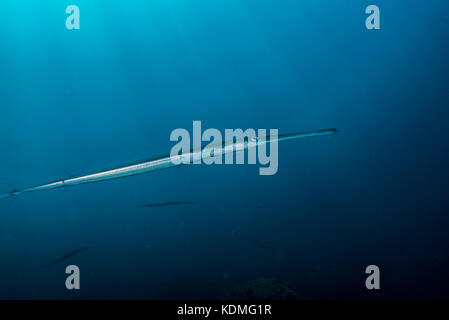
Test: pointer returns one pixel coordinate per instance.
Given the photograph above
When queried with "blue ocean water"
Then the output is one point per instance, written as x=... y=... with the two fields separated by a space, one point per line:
x=112 y=92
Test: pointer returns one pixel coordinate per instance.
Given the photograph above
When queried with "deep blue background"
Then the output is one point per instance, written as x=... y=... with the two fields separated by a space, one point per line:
x=376 y=193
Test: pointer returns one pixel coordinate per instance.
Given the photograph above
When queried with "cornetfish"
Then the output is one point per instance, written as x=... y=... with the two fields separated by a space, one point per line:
x=66 y=256
x=164 y=162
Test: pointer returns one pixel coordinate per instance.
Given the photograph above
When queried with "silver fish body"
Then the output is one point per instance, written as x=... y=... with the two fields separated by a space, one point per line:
x=166 y=162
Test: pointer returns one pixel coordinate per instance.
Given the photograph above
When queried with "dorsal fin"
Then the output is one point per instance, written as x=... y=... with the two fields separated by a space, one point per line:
x=13 y=189
x=11 y=193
